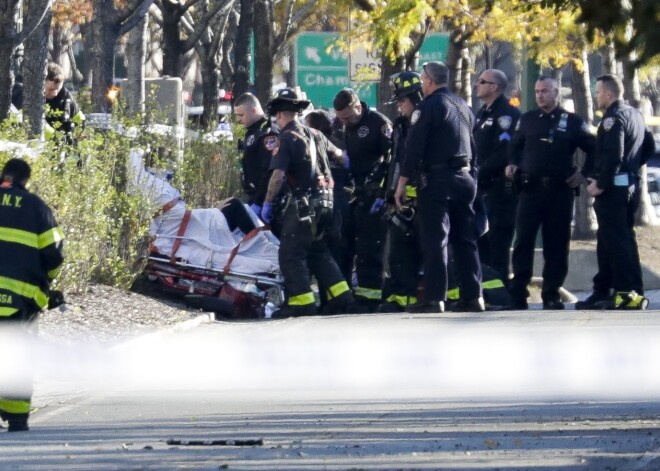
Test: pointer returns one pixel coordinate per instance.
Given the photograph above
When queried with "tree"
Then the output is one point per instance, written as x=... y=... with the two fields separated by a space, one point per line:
x=241 y=78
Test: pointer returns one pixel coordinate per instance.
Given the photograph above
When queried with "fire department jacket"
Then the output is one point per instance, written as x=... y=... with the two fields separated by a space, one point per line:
x=30 y=250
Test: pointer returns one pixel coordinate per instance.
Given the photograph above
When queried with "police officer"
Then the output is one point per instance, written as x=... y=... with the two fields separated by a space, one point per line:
x=62 y=111
x=541 y=159
x=440 y=147
x=620 y=152
x=31 y=254
x=368 y=139
x=404 y=251
x=302 y=174
x=495 y=123
x=257 y=147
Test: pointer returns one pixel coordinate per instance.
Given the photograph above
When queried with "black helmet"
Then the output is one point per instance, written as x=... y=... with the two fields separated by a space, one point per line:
x=407 y=83
x=286 y=99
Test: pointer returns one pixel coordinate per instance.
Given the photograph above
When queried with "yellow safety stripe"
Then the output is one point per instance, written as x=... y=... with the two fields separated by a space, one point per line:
x=453 y=294
x=25 y=289
x=337 y=289
x=402 y=301
x=7 y=311
x=51 y=236
x=368 y=293
x=78 y=118
x=493 y=284
x=302 y=299
x=19 y=237
x=411 y=191
x=14 y=406
x=53 y=273
x=49 y=131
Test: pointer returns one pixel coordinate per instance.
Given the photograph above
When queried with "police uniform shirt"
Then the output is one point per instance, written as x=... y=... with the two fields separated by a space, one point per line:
x=61 y=111
x=438 y=132
x=544 y=143
x=492 y=134
x=366 y=142
x=260 y=141
x=293 y=156
x=619 y=143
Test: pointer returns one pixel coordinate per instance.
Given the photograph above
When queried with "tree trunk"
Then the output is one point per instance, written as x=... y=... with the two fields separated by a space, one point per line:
x=608 y=59
x=242 y=48
x=454 y=60
x=136 y=53
x=34 y=75
x=264 y=53
x=466 y=82
x=105 y=32
x=388 y=69
x=60 y=39
x=585 y=218
x=172 y=42
x=8 y=30
x=88 y=43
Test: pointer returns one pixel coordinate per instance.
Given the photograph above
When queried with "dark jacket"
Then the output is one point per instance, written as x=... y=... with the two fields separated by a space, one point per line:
x=30 y=250
x=257 y=147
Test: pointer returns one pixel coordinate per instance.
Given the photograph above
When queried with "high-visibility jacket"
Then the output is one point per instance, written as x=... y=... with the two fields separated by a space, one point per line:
x=30 y=250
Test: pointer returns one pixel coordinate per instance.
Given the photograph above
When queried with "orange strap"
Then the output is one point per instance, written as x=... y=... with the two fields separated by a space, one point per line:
x=166 y=207
x=179 y=235
x=247 y=237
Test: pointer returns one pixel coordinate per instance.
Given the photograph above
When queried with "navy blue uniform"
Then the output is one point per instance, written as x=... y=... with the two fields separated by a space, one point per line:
x=368 y=145
x=543 y=147
x=492 y=133
x=618 y=158
x=303 y=249
x=439 y=145
x=260 y=140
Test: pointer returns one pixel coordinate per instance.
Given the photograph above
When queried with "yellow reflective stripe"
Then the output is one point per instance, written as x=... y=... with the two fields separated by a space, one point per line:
x=49 y=131
x=19 y=237
x=337 y=289
x=402 y=301
x=453 y=294
x=368 y=293
x=78 y=118
x=25 y=289
x=493 y=284
x=14 y=407
x=411 y=191
x=51 y=236
x=53 y=273
x=302 y=299
x=7 y=311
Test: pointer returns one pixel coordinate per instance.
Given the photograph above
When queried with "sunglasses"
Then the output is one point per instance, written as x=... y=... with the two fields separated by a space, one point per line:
x=482 y=81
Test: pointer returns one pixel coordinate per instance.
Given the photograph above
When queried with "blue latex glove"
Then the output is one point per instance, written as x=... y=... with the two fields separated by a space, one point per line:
x=256 y=209
x=347 y=161
x=267 y=213
x=377 y=206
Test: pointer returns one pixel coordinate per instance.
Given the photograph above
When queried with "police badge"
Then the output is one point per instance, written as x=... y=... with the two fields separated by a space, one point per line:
x=504 y=122
x=363 y=131
x=608 y=123
x=249 y=141
x=387 y=131
x=415 y=116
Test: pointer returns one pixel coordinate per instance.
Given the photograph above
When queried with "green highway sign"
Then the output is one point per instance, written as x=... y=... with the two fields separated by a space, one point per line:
x=435 y=48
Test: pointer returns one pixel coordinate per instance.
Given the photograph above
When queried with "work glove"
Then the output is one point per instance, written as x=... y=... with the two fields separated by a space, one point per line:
x=256 y=209
x=377 y=206
x=267 y=213
x=347 y=161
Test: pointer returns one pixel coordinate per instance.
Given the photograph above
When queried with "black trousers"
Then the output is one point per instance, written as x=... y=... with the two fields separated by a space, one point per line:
x=446 y=215
x=619 y=267
x=551 y=209
x=405 y=260
x=303 y=254
x=495 y=246
x=19 y=403
x=365 y=241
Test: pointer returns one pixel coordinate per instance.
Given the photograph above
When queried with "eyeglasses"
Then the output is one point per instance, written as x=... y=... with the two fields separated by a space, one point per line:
x=482 y=81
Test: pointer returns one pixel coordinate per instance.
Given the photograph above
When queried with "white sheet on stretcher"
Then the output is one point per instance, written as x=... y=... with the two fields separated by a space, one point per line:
x=207 y=241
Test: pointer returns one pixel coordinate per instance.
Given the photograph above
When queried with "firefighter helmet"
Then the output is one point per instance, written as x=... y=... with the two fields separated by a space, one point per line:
x=407 y=83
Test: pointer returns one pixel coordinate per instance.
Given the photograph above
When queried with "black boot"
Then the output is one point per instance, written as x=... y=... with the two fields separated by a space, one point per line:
x=17 y=422
x=287 y=311
x=426 y=307
x=472 y=305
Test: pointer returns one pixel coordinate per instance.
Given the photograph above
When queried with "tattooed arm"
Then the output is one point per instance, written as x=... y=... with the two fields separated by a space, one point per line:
x=275 y=185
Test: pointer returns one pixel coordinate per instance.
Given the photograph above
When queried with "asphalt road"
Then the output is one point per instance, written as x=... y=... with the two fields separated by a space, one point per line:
x=510 y=390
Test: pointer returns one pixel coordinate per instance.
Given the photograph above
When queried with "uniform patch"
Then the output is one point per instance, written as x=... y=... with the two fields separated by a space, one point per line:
x=250 y=140
x=608 y=123
x=271 y=142
x=585 y=127
x=504 y=122
x=387 y=131
x=363 y=131
x=415 y=116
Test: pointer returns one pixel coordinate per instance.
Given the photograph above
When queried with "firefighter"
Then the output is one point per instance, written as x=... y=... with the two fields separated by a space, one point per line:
x=302 y=184
x=31 y=253
x=62 y=111
x=404 y=251
x=257 y=147
x=368 y=143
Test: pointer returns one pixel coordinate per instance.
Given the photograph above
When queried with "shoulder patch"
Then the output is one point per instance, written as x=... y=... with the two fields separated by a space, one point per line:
x=608 y=123
x=271 y=142
x=415 y=116
x=504 y=122
x=250 y=140
x=363 y=131
x=387 y=131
